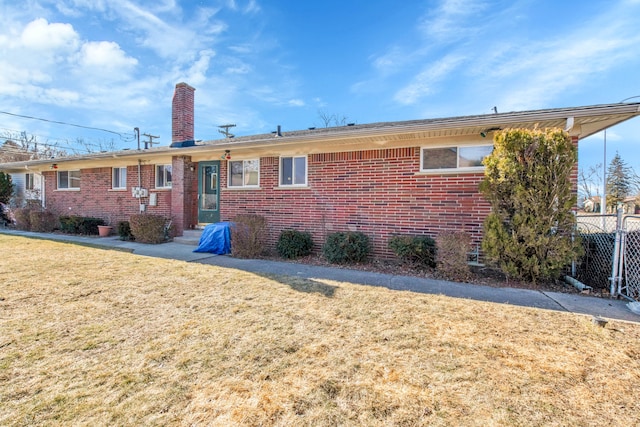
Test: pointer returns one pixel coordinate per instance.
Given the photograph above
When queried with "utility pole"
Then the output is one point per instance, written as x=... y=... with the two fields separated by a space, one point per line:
x=137 y=131
x=150 y=141
x=226 y=132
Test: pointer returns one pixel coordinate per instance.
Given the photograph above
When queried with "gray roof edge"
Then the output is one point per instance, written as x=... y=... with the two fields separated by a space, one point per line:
x=360 y=130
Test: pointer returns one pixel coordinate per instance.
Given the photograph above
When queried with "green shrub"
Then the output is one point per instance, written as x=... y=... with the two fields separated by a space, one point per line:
x=294 y=244
x=22 y=217
x=415 y=250
x=346 y=247
x=5 y=218
x=73 y=224
x=148 y=228
x=451 y=260
x=43 y=221
x=248 y=236
x=528 y=182
x=124 y=230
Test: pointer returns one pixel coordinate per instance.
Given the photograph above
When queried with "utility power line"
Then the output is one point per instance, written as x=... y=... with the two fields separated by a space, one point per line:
x=67 y=124
x=14 y=134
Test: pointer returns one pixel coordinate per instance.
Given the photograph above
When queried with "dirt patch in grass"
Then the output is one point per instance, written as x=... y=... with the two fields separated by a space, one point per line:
x=95 y=337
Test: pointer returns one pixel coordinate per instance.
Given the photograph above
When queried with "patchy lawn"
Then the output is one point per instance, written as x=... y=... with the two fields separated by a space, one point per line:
x=98 y=337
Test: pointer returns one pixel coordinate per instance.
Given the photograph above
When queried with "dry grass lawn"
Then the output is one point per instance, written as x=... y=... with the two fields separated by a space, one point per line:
x=95 y=337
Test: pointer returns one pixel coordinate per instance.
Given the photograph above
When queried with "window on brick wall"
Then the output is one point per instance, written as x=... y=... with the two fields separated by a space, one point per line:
x=119 y=178
x=163 y=176
x=68 y=180
x=466 y=157
x=244 y=173
x=293 y=171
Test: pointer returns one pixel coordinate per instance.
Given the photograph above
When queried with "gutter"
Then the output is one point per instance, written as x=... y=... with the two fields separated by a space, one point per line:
x=381 y=129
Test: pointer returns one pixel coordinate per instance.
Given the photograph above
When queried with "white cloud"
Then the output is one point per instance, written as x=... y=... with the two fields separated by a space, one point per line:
x=537 y=73
x=106 y=56
x=197 y=73
x=296 y=103
x=449 y=20
x=43 y=36
x=424 y=83
x=252 y=7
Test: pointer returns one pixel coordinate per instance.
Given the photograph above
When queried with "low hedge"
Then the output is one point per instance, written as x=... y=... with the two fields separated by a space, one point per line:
x=346 y=247
x=148 y=228
x=294 y=244
x=124 y=231
x=73 y=224
x=414 y=250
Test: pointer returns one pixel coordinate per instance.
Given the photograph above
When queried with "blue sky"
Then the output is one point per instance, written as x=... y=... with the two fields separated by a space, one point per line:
x=113 y=64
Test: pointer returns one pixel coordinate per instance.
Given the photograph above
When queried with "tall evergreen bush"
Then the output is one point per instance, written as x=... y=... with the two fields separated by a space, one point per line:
x=528 y=184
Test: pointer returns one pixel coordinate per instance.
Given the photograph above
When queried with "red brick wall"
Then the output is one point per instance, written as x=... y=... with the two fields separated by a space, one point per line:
x=183 y=194
x=96 y=198
x=182 y=111
x=376 y=192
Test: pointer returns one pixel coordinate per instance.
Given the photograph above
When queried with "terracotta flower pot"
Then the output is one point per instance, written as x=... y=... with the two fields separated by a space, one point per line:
x=104 y=230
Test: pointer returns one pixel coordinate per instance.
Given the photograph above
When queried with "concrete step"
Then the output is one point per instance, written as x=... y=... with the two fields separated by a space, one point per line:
x=189 y=237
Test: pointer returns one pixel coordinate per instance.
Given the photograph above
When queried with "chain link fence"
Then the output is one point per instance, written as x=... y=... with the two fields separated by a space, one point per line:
x=611 y=258
x=598 y=235
x=630 y=285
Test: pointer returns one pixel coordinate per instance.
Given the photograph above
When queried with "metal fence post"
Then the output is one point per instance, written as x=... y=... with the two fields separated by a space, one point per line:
x=616 y=269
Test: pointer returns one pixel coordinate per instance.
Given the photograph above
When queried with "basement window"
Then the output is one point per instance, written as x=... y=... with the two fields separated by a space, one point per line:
x=244 y=173
x=462 y=158
x=69 y=180
x=293 y=171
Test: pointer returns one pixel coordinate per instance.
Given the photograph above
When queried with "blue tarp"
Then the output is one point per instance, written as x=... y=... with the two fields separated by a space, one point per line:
x=216 y=239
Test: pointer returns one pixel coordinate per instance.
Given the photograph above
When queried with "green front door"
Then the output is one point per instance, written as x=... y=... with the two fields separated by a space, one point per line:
x=208 y=192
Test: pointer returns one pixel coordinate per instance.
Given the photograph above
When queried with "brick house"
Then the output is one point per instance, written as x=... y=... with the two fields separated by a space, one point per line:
x=410 y=177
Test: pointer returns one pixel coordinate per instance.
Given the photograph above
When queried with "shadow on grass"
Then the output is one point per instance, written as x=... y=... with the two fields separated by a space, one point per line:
x=303 y=285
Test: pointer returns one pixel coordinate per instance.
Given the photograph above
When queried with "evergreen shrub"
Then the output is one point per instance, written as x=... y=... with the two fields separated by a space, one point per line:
x=528 y=182
x=294 y=244
x=346 y=247
x=74 y=224
x=124 y=230
x=415 y=250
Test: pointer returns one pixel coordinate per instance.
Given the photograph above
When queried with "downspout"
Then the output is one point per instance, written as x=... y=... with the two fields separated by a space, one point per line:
x=139 y=185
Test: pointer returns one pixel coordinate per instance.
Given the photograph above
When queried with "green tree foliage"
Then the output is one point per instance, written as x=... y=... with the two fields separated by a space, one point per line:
x=6 y=191
x=618 y=181
x=6 y=188
x=528 y=183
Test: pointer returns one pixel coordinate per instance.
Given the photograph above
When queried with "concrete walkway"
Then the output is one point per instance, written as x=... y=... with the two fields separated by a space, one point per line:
x=575 y=303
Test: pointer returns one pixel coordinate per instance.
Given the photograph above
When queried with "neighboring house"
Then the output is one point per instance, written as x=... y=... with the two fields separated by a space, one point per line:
x=629 y=205
x=592 y=204
x=26 y=187
x=412 y=177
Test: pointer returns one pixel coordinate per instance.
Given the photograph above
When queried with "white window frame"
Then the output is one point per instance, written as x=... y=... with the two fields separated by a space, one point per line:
x=119 y=178
x=70 y=180
x=457 y=168
x=244 y=178
x=161 y=173
x=293 y=171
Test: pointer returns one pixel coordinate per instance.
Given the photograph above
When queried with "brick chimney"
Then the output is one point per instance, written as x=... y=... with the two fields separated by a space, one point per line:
x=182 y=116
